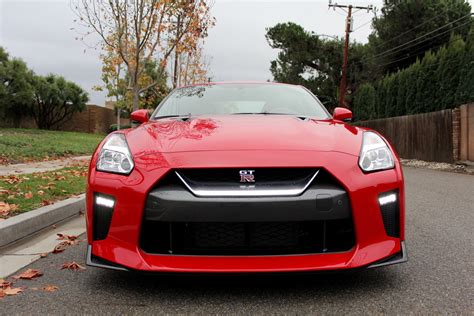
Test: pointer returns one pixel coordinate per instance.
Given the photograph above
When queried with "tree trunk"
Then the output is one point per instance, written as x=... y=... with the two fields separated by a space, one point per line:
x=118 y=118
x=136 y=94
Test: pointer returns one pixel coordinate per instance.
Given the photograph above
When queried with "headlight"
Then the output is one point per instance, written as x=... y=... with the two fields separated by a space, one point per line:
x=375 y=154
x=115 y=155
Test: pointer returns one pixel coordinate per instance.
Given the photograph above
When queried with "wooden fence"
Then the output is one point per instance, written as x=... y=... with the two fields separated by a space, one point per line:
x=466 y=131
x=427 y=136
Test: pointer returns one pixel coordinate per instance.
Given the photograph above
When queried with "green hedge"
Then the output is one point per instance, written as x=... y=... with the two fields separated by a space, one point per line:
x=441 y=80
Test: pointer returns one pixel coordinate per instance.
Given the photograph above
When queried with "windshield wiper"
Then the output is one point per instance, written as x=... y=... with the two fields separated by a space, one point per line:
x=186 y=116
x=271 y=113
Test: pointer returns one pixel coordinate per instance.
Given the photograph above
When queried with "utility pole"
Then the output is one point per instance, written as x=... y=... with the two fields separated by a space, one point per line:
x=349 y=23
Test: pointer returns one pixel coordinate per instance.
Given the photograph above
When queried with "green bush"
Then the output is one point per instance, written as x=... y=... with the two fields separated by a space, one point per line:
x=365 y=96
x=441 y=80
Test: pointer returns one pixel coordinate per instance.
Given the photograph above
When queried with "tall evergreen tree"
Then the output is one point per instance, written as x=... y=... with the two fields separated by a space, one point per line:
x=465 y=89
x=415 y=22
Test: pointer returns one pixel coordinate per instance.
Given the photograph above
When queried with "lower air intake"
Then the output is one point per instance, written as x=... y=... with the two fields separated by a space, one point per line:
x=257 y=238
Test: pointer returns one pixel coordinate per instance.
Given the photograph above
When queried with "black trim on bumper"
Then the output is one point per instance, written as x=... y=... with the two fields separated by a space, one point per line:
x=97 y=262
x=172 y=203
x=400 y=257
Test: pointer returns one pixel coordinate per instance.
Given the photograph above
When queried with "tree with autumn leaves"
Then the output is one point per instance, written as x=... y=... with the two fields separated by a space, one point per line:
x=140 y=39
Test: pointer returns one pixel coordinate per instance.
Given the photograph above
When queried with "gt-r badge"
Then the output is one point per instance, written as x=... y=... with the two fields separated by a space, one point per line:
x=247 y=175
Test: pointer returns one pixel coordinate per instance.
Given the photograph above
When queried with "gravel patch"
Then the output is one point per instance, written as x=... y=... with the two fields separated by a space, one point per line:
x=443 y=166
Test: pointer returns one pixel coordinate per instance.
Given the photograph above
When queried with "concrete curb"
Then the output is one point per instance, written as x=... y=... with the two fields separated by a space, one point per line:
x=29 y=223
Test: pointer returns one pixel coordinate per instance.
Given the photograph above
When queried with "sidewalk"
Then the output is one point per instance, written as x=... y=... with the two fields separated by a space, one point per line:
x=42 y=166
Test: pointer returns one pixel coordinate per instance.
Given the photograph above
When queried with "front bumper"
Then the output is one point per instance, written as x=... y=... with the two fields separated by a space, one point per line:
x=121 y=248
x=97 y=262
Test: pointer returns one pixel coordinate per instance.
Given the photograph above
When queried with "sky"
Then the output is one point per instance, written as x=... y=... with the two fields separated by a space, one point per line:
x=39 y=32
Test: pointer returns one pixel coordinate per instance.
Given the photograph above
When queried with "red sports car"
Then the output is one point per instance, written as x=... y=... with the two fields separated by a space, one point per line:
x=244 y=178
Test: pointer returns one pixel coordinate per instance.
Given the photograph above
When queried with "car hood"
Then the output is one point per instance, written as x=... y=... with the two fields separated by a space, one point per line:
x=244 y=132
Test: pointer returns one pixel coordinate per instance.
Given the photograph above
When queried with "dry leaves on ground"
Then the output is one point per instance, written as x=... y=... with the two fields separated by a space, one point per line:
x=28 y=195
x=5 y=192
x=74 y=266
x=66 y=237
x=28 y=274
x=12 y=179
x=6 y=208
x=46 y=202
x=50 y=288
x=4 y=284
x=7 y=289
x=10 y=291
x=61 y=247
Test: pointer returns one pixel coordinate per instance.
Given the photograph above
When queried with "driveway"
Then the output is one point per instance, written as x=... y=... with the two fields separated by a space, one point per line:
x=439 y=277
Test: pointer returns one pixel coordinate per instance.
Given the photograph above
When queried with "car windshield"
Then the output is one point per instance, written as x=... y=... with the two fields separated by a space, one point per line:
x=222 y=99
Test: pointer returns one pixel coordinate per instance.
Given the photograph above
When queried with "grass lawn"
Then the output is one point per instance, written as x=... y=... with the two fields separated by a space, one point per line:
x=22 y=193
x=23 y=145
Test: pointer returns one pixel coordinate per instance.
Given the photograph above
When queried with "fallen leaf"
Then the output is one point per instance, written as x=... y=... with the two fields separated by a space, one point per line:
x=5 y=208
x=12 y=179
x=40 y=192
x=50 y=288
x=66 y=237
x=4 y=284
x=46 y=202
x=12 y=290
x=4 y=191
x=29 y=274
x=28 y=195
x=61 y=247
x=74 y=266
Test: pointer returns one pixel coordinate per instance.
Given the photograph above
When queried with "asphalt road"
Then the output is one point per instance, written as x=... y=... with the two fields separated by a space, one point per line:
x=439 y=277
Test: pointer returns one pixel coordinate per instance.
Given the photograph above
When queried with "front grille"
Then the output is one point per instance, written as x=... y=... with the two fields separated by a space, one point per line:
x=176 y=221
x=258 y=238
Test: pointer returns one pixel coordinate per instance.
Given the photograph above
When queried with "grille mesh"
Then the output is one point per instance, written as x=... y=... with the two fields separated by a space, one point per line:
x=260 y=238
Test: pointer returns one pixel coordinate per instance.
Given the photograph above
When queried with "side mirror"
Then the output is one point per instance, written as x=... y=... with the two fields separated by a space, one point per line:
x=342 y=114
x=141 y=116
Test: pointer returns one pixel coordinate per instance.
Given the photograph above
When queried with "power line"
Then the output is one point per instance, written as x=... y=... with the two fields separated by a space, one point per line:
x=419 y=51
x=427 y=39
x=410 y=30
x=362 y=25
x=419 y=37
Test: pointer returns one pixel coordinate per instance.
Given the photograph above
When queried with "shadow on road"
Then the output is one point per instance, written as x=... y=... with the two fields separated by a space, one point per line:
x=253 y=285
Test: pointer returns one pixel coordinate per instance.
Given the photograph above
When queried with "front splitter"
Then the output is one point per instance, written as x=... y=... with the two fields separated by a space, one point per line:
x=97 y=262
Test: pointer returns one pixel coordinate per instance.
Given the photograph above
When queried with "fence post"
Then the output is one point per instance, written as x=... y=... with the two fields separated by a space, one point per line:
x=456 y=133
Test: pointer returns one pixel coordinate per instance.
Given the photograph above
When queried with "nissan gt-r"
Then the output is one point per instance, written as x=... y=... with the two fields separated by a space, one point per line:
x=244 y=178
